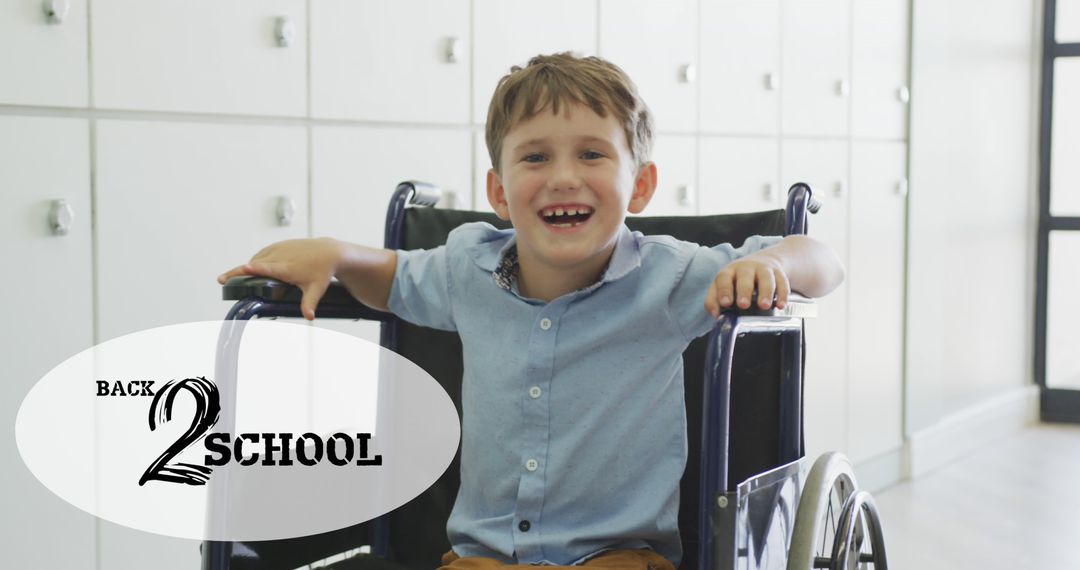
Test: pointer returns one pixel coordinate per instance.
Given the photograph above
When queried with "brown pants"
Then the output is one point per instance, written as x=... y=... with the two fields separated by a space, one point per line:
x=615 y=560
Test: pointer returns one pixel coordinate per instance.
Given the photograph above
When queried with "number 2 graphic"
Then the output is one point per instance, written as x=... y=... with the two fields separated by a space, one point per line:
x=207 y=410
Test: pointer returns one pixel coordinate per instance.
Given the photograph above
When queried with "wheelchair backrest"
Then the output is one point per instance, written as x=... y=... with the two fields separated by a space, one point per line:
x=418 y=529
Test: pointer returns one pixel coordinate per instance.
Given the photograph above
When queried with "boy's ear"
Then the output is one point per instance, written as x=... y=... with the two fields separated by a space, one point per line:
x=496 y=195
x=644 y=187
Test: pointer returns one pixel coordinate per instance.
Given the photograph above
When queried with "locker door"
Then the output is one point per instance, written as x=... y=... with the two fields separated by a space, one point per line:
x=875 y=283
x=817 y=84
x=665 y=71
x=676 y=190
x=425 y=80
x=739 y=175
x=48 y=318
x=824 y=165
x=43 y=59
x=183 y=202
x=201 y=56
x=879 y=63
x=740 y=67
x=176 y=205
x=355 y=171
x=509 y=32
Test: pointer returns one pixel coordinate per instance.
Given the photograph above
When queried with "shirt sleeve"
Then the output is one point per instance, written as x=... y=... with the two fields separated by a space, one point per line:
x=421 y=290
x=687 y=301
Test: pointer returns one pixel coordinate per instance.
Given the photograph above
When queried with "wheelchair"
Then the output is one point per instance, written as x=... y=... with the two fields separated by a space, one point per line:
x=743 y=504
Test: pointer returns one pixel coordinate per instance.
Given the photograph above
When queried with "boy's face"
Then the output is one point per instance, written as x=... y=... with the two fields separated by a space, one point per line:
x=572 y=161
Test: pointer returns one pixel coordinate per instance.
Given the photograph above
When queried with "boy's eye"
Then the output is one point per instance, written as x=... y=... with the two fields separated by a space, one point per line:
x=533 y=157
x=591 y=155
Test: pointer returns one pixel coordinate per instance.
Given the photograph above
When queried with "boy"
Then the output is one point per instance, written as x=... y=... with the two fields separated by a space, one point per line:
x=573 y=424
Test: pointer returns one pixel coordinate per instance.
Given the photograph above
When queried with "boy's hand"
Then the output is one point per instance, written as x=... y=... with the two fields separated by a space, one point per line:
x=306 y=263
x=736 y=282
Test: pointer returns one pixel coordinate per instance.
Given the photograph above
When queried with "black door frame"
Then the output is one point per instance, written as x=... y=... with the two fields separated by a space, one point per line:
x=1055 y=404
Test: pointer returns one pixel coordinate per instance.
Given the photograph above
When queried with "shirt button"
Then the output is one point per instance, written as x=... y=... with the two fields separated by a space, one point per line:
x=531 y=465
x=524 y=526
x=534 y=392
x=545 y=323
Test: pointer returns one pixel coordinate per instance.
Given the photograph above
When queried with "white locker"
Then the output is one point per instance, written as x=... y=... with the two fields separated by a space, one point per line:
x=676 y=165
x=245 y=57
x=355 y=171
x=509 y=32
x=666 y=72
x=875 y=279
x=177 y=204
x=739 y=175
x=824 y=165
x=49 y=318
x=43 y=57
x=353 y=75
x=740 y=67
x=817 y=83
x=879 y=63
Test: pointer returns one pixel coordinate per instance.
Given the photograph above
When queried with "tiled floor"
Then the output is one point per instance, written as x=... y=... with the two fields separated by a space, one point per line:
x=1015 y=505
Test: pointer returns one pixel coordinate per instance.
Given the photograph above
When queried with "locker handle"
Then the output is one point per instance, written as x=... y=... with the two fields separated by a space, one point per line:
x=688 y=73
x=902 y=187
x=772 y=81
x=453 y=50
x=284 y=31
x=838 y=189
x=285 y=211
x=769 y=192
x=843 y=87
x=61 y=214
x=684 y=195
x=55 y=10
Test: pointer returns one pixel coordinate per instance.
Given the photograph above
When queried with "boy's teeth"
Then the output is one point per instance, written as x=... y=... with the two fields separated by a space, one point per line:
x=558 y=212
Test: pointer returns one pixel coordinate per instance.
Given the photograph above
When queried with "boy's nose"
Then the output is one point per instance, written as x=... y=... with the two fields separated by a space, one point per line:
x=564 y=177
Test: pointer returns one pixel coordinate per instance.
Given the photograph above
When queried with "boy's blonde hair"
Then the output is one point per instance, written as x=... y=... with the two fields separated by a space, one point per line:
x=551 y=81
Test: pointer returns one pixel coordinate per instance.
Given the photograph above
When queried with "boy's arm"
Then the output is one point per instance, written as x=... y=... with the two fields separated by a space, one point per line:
x=367 y=273
x=798 y=263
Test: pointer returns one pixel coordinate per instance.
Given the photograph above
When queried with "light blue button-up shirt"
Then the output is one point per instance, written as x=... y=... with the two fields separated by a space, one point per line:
x=574 y=427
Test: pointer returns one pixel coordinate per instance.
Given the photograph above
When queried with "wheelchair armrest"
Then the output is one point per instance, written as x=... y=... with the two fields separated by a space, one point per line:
x=798 y=307
x=337 y=298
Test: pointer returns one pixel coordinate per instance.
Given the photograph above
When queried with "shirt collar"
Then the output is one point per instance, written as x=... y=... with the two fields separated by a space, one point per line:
x=498 y=255
x=627 y=255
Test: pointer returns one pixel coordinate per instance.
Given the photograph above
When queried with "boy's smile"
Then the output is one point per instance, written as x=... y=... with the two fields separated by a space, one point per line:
x=566 y=215
x=567 y=182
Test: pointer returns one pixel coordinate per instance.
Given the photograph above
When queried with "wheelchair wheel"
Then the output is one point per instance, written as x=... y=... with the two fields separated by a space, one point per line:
x=860 y=542
x=829 y=486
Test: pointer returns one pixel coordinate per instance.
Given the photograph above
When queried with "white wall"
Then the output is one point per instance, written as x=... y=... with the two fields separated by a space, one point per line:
x=972 y=216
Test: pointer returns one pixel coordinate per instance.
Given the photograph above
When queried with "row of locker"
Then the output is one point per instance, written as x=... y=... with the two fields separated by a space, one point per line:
x=764 y=67
x=159 y=208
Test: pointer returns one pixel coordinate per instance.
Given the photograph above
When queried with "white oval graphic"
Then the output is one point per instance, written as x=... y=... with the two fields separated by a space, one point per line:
x=237 y=430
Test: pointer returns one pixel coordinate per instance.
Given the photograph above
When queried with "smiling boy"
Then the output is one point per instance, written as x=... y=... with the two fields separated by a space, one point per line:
x=572 y=327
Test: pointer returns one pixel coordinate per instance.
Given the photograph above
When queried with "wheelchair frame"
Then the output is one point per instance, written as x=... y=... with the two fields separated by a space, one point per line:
x=733 y=523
